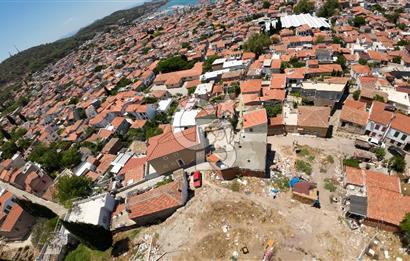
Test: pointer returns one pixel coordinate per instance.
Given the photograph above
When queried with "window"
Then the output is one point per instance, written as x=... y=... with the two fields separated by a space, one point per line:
x=250 y=129
x=165 y=158
x=384 y=128
x=396 y=134
x=181 y=163
x=403 y=137
x=377 y=127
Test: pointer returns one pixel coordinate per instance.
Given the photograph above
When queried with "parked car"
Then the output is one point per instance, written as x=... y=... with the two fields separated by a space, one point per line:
x=197 y=179
x=395 y=151
x=376 y=142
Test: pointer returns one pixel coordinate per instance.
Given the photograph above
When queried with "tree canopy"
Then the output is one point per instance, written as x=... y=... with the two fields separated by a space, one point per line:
x=174 y=63
x=208 y=63
x=405 y=225
x=397 y=164
x=71 y=187
x=358 y=21
x=328 y=9
x=304 y=6
x=257 y=43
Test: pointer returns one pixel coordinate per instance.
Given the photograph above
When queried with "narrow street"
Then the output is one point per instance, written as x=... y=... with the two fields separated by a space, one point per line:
x=56 y=208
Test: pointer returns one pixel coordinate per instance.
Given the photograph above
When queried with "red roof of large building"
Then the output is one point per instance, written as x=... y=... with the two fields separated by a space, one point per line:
x=164 y=197
x=169 y=142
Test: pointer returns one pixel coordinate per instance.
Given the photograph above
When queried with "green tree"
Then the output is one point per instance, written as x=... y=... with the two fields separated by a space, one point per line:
x=380 y=153
x=72 y=187
x=362 y=61
x=351 y=162
x=356 y=95
x=86 y=233
x=398 y=164
x=266 y=5
x=359 y=21
x=342 y=61
x=378 y=98
x=328 y=9
x=304 y=6
x=185 y=46
x=273 y=111
x=403 y=42
x=73 y=100
x=405 y=225
x=9 y=148
x=174 y=63
x=70 y=158
x=207 y=66
x=397 y=59
x=257 y=43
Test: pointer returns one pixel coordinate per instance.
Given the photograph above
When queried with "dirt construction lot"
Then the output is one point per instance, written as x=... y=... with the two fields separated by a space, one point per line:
x=218 y=221
x=225 y=217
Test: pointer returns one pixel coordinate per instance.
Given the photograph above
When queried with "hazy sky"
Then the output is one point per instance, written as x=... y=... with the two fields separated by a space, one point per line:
x=26 y=23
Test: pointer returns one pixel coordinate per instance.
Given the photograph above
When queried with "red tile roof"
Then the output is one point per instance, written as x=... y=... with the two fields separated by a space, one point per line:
x=254 y=118
x=158 y=199
x=251 y=86
x=354 y=112
x=401 y=122
x=12 y=218
x=379 y=115
x=313 y=116
x=169 y=142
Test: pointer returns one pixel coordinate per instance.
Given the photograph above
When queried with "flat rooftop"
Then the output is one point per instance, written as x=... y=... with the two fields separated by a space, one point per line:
x=300 y=19
x=323 y=86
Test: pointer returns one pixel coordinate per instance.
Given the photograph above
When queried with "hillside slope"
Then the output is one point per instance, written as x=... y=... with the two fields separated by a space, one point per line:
x=36 y=58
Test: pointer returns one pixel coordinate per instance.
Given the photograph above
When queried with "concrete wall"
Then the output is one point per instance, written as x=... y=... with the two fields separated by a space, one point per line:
x=351 y=127
x=381 y=225
x=317 y=131
x=170 y=163
x=276 y=130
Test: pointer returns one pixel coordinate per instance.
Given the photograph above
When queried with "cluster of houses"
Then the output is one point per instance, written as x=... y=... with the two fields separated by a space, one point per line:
x=218 y=116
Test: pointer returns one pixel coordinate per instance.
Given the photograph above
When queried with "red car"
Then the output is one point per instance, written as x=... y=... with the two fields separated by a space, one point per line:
x=197 y=179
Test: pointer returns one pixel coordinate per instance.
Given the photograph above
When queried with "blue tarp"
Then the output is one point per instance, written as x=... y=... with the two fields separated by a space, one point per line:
x=293 y=181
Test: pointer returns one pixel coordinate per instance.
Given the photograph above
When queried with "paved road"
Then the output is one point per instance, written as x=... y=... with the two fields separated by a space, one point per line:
x=56 y=208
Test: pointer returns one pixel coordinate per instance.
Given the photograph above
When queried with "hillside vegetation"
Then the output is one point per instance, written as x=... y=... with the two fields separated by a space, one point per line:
x=36 y=58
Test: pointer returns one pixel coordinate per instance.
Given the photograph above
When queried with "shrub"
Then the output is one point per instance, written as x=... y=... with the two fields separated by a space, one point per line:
x=397 y=164
x=330 y=185
x=303 y=166
x=380 y=153
x=356 y=95
x=273 y=110
x=351 y=162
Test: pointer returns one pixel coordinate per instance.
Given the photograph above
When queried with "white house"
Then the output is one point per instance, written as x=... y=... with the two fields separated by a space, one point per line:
x=399 y=132
x=95 y=210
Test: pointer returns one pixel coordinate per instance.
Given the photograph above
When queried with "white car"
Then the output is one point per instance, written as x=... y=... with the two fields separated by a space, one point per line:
x=376 y=142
